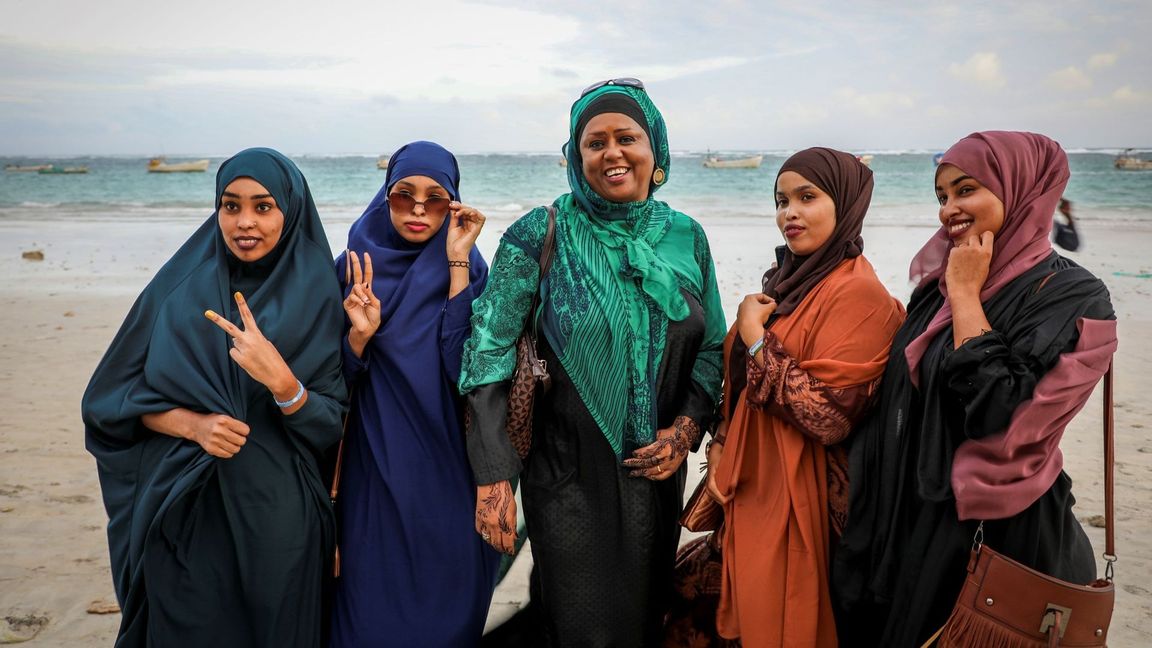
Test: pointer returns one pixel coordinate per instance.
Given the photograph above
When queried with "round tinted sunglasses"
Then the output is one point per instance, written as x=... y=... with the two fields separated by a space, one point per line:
x=627 y=82
x=435 y=207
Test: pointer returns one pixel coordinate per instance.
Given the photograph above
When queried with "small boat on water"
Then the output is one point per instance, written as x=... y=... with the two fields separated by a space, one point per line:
x=865 y=159
x=750 y=162
x=160 y=165
x=52 y=169
x=382 y=163
x=936 y=157
x=26 y=168
x=562 y=162
x=1126 y=161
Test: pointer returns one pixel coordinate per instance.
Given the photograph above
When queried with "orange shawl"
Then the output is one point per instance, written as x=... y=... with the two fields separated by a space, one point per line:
x=774 y=589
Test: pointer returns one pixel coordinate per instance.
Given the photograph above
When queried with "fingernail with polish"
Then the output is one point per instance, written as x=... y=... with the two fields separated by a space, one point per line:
x=210 y=314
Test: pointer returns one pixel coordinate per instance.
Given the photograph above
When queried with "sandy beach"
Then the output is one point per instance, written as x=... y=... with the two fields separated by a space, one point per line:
x=58 y=314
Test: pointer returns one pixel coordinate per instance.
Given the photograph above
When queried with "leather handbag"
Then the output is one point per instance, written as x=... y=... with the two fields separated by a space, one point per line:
x=701 y=512
x=531 y=374
x=1004 y=604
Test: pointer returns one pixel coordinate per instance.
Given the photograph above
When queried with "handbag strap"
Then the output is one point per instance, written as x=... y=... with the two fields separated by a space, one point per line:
x=1109 y=480
x=547 y=251
x=332 y=492
x=1109 y=468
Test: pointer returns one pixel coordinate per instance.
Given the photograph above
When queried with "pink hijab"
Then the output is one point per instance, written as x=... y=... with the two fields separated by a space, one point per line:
x=1028 y=173
x=1000 y=475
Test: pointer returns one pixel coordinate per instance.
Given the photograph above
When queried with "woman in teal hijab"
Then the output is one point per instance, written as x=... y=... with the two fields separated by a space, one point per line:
x=632 y=332
x=207 y=431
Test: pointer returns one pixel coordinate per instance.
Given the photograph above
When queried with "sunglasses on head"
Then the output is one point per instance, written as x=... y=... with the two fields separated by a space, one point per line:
x=435 y=207
x=627 y=82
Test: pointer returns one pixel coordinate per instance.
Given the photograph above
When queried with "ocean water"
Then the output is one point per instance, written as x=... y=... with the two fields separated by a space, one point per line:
x=119 y=188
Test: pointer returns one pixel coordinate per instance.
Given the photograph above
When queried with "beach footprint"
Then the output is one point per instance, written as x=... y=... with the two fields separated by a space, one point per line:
x=21 y=628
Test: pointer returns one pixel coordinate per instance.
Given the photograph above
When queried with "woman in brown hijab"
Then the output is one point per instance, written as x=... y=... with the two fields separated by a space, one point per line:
x=802 y=363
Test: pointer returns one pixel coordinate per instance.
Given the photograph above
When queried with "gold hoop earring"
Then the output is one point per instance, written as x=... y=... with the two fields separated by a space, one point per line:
x=658 y=177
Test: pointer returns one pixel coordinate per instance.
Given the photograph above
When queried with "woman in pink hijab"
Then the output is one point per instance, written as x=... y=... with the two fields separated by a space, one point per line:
x=1004 y=342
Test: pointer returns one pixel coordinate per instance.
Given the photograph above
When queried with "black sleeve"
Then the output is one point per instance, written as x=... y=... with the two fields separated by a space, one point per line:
x=701 y=408
x=989 y=376
x=988 y=382
x=490 y=450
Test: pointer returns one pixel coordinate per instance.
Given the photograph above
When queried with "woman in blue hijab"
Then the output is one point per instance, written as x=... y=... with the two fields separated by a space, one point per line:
x=413 y=570
x=207 y=432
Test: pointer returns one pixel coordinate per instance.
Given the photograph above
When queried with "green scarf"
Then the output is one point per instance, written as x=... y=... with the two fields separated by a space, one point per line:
x=618 y=278
x=630 y=261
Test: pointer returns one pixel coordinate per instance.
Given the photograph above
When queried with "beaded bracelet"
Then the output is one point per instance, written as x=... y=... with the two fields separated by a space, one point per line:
x=458 y=264
x=295 y=399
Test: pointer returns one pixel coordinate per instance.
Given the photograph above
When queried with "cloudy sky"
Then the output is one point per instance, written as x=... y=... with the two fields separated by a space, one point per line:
x=364 y=76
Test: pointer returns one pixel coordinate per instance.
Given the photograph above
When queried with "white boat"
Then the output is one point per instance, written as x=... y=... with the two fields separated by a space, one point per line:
x=52 y=169
x=1128 y=162
x=382 y=163
x=865 y=159
x=27 y=168
x=750 y=162
x=159 y=165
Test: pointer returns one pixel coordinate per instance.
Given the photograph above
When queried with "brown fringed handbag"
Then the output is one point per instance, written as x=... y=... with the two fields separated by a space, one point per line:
x=531 y=372
x=1004 y=604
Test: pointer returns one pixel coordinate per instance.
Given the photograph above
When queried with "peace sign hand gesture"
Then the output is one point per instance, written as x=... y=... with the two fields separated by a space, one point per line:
x=256 y=354
x=361 y=304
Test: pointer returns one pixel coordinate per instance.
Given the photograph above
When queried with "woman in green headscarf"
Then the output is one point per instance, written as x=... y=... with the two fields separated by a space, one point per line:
x=207 y=431
x=632 y=334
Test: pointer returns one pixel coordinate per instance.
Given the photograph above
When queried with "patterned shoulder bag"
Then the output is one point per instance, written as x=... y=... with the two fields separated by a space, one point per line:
x=531 y=372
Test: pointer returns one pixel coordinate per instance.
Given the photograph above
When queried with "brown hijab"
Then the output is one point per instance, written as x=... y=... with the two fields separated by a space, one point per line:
x=849 y=183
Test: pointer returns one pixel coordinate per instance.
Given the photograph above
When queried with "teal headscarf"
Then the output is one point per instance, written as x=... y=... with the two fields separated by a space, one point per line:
x=616 y=283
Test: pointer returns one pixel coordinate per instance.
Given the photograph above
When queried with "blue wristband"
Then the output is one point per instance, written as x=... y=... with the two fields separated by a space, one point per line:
x=295 y=399
x=755 y=348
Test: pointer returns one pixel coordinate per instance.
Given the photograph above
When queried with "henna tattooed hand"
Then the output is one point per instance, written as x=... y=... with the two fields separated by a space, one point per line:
x=496 y=516
x=660 y=460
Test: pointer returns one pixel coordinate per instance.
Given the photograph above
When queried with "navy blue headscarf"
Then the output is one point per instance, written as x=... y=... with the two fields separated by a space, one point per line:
x=167 y=355
x=411 y=280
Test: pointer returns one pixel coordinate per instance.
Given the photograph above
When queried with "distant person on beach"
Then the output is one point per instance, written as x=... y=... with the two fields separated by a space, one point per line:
x=632 y=328
x=1065 y=234
x=207 y=432
x=802 y=364
x=413 y=570
x=1004 y=342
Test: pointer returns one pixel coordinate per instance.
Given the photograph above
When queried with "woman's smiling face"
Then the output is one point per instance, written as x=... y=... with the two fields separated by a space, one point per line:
x=617 y=158
x=967 y=208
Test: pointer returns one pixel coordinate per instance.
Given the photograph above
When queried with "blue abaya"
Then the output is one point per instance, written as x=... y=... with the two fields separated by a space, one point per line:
x=413 y=570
